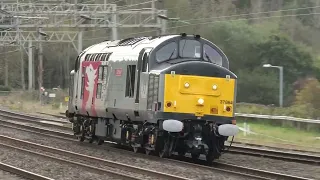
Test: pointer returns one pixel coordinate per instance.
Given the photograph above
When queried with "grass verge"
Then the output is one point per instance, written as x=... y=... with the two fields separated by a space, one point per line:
x=270 y=135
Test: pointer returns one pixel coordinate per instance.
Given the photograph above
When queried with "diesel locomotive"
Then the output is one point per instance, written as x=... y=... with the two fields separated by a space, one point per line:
x=162 y=94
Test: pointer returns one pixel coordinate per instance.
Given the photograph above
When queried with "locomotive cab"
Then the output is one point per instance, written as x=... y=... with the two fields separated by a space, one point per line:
x=197 y=93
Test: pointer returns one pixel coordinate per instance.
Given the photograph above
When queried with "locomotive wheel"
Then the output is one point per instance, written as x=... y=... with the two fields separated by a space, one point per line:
x=81 y=138
x=162 y=148
x=100 y=141
x=181 y=153
x=166 y=151
x=163 y=154
x=147 y=151
x=195 y=156
x=135 y=149
x=209 y=158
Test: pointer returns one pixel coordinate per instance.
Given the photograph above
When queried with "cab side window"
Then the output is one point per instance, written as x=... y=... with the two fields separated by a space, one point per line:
x=131 y=76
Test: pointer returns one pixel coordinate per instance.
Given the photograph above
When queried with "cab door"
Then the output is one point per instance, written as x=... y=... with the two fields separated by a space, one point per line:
x=142 y=79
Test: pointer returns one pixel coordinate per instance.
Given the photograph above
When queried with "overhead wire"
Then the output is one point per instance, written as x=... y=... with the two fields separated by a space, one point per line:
x=206 y=18
x=217 y=21
x=218 y=17
x=255 y=13
x=236 y=15
x=242 y=19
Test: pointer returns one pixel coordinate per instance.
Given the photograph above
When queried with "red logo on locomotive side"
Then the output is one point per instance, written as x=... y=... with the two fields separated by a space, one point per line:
x=90 y=86
x=118 y=72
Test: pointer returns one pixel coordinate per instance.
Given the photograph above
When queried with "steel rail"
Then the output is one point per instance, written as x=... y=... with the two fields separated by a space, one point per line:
x=262 y=174
x=234 y=144
x=222 y=166
x=87 y=158
x=43 y=122
x=28 y=116
x=53 y=115
x=218 y=166
x=246 y=144
x=87 y=167
x=276 y=154
x=37 y=129
x=22 y=172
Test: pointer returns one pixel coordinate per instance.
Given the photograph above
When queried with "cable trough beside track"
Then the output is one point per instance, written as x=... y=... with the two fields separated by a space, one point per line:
x=78 y=159
x=22 y=172
x=243 y=171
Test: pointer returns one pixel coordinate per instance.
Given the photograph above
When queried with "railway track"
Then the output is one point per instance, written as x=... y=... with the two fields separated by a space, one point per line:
x=21 y=172
x=62 y=115
x=235 y=144
x=218 y=166
x=235 y=149
x=276 y=154
x=76 y=159
x=54 y=123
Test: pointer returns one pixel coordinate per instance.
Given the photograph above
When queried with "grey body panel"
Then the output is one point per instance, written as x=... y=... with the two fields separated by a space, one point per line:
x=112 y=129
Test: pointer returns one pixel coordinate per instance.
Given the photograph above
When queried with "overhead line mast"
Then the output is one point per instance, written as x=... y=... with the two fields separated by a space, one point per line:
x=72 y=16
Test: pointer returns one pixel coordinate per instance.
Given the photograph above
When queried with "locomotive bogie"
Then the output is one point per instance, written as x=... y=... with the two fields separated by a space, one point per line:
x=130 y=92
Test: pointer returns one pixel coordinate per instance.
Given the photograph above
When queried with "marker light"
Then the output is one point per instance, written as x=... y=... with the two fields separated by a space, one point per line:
x=186 y=85
x=200 y=101
x=214 y=87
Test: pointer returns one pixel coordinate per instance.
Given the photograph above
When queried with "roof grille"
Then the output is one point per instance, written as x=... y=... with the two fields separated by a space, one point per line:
x=97 y=57
x=130 y=41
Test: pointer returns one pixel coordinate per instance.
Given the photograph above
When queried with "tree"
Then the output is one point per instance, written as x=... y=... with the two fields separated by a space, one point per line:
x=238 y=40
x=309 y=97
x=257 y=86
x=280 y=50
x=248 y=47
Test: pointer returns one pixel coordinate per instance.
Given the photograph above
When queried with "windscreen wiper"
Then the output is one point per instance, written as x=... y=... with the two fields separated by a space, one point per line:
x=209 y=59
x=170 y=56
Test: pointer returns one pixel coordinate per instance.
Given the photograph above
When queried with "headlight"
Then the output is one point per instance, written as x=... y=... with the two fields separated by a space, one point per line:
x=214 y=87
x=200 y=101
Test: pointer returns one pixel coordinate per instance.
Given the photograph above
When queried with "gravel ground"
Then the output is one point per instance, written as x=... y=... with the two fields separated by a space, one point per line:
x=86 y=162
x=46 y=167
x=9 y=176
x=162 y=166
x=297 y=169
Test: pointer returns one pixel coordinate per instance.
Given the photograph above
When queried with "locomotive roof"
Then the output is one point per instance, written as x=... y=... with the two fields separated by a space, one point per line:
x=126 y=49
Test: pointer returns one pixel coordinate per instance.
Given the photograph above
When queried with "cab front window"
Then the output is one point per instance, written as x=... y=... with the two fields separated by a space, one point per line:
x=211 y=55
x=189 y=48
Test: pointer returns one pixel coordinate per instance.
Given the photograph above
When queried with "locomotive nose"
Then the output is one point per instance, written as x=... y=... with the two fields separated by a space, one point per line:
x=201 y=89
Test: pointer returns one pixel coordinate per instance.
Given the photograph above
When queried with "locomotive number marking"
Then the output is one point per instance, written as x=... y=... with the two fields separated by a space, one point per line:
x=226 y=102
